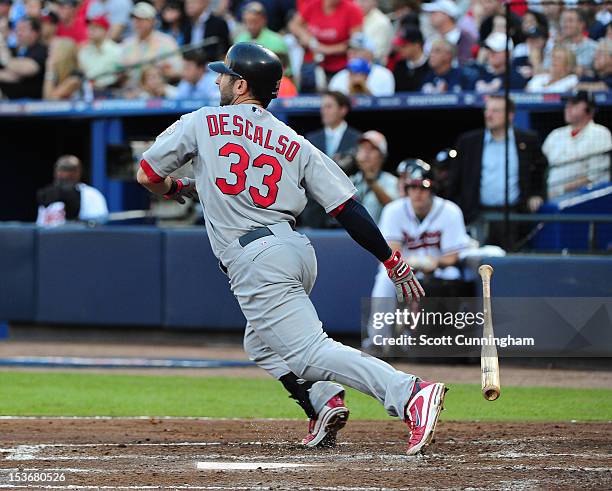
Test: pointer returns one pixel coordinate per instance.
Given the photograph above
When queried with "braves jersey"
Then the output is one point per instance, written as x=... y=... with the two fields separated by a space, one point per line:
x=251 y=169
x=441 y=232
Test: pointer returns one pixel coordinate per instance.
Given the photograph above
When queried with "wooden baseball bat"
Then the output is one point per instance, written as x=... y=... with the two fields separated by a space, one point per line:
x=489 y=364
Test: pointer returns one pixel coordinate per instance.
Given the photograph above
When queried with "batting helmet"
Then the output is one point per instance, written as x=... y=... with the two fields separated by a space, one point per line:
x=259 y=66
x=420 y=175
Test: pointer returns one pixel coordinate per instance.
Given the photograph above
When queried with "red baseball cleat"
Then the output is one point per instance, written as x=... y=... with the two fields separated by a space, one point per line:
x=422 y=414
x=331 y=419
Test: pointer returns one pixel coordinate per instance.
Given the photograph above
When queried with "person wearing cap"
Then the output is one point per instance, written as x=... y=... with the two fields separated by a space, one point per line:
x=378 y=28
x=411 y=63
x=117 y=12
x=69 y=199
x=49 y=22
x=255 y=20
x=375 y=187
x=428 y=229
x=442 y=77
x=22 y=74
x=491 y=76
x=571 y=35
x=579 y=153
x=477 y=180
x=528 y=57
x=146 y=45
x=443 y=19
x=101 y=55
x=560 y=77
x=198 y=81
x=72 y=24
x=204 y=24
x=362 y=75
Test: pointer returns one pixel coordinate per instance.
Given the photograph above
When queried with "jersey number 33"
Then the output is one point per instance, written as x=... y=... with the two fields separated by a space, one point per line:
x=239 y=170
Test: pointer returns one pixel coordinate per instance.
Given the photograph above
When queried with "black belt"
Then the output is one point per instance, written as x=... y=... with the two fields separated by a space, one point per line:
x=258 y=233
x=249 y=237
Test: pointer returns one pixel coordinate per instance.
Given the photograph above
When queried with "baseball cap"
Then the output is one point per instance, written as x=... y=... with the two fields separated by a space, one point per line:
x=360 y=41
x=100 y=20
x=377 y=139
x=47 y=16
x=582 y=96
x=144 y=10
x=447 y=7
x=497 y=42
x=72 y=3
x=409 y=34
x=254 y=8
x=358 y=65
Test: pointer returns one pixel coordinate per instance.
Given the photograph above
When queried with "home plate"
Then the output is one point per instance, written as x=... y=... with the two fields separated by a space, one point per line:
x=236 y=466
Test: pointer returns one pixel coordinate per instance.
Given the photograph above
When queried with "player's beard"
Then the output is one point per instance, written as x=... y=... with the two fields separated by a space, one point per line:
x=227 y=94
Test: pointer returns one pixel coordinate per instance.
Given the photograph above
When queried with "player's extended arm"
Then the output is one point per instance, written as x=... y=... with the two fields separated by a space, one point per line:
x=168 y=187
x=361 y=227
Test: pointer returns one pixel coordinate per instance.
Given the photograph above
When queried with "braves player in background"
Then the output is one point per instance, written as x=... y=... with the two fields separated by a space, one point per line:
x=430 y=233
x=252 y=173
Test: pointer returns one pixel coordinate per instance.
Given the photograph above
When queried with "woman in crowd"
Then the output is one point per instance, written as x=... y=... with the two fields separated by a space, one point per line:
x=153 y=84
x=62 y=77
x=561 y=76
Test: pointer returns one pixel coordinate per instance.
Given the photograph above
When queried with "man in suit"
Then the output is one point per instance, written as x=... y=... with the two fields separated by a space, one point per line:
x=336 y=140
x=204 y=24
x=477 y=179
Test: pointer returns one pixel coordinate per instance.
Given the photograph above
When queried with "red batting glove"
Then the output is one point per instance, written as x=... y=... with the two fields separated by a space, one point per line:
x=184 y=186
x=407 y=286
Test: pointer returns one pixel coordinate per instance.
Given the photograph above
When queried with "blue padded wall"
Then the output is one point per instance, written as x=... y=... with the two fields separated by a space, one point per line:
x=17 y=266
x=196 y=292
x=100 y=276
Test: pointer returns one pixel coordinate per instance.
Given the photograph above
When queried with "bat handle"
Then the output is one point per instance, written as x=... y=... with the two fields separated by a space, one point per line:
x=486 y=271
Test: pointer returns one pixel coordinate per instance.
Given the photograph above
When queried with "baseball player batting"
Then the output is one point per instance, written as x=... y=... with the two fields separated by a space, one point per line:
x=252 y=173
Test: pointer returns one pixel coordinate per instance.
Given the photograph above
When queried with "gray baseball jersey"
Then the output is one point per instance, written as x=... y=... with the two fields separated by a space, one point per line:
x=251 y=169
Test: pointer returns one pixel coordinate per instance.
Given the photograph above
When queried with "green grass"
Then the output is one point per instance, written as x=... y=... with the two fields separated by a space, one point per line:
x=76 y=394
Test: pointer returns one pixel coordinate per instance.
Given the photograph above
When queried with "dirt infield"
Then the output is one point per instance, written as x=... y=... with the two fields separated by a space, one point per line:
x=146 y=454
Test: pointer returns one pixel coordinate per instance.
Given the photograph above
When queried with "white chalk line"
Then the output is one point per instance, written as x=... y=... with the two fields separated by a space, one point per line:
x=207 y=488
x=147 y=418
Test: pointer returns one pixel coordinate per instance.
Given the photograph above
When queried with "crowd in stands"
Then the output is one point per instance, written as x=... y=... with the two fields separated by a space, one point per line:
x=68 y=49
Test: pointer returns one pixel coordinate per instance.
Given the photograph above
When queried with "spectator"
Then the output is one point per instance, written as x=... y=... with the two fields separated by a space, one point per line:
x=443 y=18
x=117 y=12
x=362 y=75
x=72 y=20
x=603 y=18
x=561 y=76
x=375 y=188
x=69 y=199
x=153 y=84
x=336 y=139
x=572 y=36
x=204 y=24
x=100 y=57
x=323 y=28
x=529 y=56
x=442 y=77
x=24 y=66
x=256 y=22
x=198 y=82
x=602 y=65
x=477 y=178
x=5 y=23
x=286 y=88
x=491 y=76
x=532 y=20
x=277 y=11
x=62 y=78
x=174 y=21
x=49 y=23
x=377 y=27
x=148 y=44
x=494 y=20
x=579 y=153
x=411 y=65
